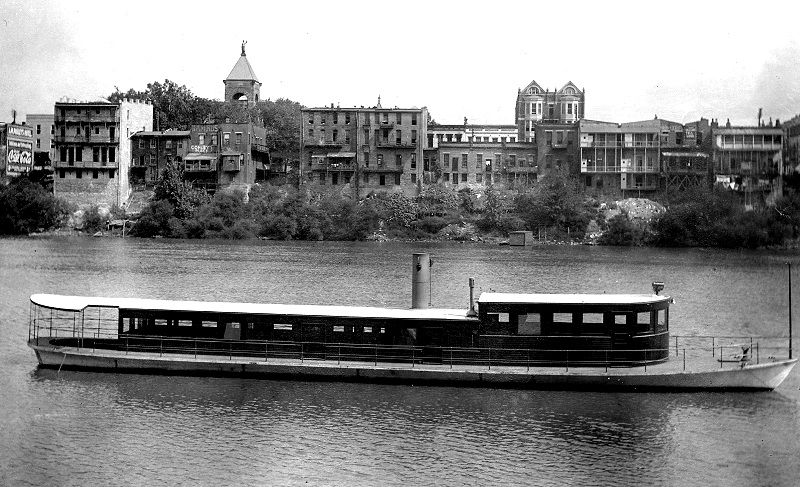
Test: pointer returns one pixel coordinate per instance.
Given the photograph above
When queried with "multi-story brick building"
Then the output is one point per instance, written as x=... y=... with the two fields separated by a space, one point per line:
x=791 y=146
x=93 y=149
x=225 y=155
x=686 y=155
x=43 y=125
x=747 y=159
x=16 y=149
x=152 y=151
x=550 y=120
x=509 y=164
x=364 y=148
x=616 y=158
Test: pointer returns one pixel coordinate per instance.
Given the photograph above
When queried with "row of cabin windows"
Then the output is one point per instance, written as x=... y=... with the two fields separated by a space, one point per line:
x=584 y=323
x=138 y=323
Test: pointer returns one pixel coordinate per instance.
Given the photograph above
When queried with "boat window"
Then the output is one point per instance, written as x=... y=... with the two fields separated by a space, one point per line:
x=620 y=319
x=593 y=318
x=502 y=317
x=367 y=329
x=184 y=323
x=562 y=318
x=529 y=324
x=383 y=330
x=644 y=321
x=282 y=326
x=161 y=322
x=209 y=324
x=338 y=328
x=661 y=321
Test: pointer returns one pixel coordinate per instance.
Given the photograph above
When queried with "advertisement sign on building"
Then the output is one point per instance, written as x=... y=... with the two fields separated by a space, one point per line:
x=17 y=150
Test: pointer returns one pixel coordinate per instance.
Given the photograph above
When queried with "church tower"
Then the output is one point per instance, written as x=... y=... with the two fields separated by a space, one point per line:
x=242 y=85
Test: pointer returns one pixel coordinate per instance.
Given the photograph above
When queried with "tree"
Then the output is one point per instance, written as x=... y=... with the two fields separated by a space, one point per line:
x=553 y=202
x=25 y=207
x=172 y=188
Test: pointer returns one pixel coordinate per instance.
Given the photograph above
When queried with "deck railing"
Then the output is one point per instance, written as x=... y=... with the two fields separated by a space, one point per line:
x=98 y=331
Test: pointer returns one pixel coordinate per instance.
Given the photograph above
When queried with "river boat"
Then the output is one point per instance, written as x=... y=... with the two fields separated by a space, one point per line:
x=565 y=341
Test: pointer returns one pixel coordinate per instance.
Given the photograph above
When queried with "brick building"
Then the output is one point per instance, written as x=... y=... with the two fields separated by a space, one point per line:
x=747 y=159
x=93 y=149
x=152 y=151
x=364 y=149
x=466 y=163
x=43 y=125
x=225 y=155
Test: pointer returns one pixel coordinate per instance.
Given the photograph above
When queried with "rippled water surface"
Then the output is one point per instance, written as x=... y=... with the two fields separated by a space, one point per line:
x=80 y=428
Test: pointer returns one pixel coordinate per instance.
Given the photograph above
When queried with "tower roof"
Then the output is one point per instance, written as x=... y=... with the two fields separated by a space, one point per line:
x=242 y=70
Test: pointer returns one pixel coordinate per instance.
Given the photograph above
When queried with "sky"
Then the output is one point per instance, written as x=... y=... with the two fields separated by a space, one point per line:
x=678 y=60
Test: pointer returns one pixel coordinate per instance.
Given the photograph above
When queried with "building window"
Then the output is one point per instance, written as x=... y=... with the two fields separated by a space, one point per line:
x=78 y=174
x=238 y=138
x=61 y=174
x=335 y=117
x=382 y=180
x=103 y=154
x=446 y=159
x=347 y=118
x=366 y=159
x=366 y=177
x=310 y=133
x=335 y=135
x=38 y=129
x=398 y=160
x=335 y=178
x=455 y=178
x=96 y=154
x=399 y=118
x=380 y=160
x=570 y=138
x=464 y=161
x=397 y=179
x=347 y=136
x=79 y=154
x=366 y=136
x=111 y=154
x=455 y=164
x=559 y=137
x=141 y=143
x=478 y=161
x=512 y=160
x=168 y=144
x=226 y=138
x=479 y=178
x=38 y=143
x=94 y=174
x=413 y=161
x=414 y=137
x=413 y=119
x=463 y=177
x=398 y=137
x=548 y=136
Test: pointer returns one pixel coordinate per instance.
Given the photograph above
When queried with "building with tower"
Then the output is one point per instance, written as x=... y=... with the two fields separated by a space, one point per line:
x=242 y=85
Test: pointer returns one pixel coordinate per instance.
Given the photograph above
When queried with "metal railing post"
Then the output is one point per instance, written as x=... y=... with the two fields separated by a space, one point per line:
x=676 y=346
x=713 y=348
x=684 y=359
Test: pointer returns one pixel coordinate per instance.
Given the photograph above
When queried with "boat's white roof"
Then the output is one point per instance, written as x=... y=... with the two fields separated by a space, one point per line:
x=78 y=303
x=602 y=299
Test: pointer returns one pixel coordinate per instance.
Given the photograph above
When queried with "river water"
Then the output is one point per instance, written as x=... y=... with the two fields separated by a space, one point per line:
x=89 y=428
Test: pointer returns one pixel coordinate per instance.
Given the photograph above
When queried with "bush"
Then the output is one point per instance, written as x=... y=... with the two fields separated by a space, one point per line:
x=25 y=207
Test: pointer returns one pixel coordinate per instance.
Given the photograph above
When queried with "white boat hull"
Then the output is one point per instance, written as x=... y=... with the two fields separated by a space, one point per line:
x=764 y=376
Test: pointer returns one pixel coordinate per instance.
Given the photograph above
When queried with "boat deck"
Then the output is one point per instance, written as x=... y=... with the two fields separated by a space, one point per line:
x=698 y=371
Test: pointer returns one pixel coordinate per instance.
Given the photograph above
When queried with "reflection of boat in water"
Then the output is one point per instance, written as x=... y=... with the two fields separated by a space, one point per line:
x=518 y=340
